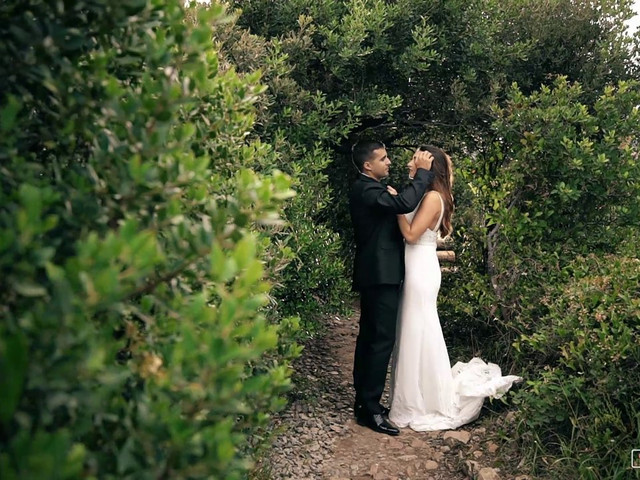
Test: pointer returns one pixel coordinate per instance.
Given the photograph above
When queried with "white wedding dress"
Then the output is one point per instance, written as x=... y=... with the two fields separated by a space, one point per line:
x=426 y=393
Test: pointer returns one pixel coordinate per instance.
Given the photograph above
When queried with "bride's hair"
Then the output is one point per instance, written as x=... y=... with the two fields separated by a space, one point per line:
x=443 y=183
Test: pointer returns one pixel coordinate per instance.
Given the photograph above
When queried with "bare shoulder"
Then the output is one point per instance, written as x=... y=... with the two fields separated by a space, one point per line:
x=432 y=199
x=430 y=206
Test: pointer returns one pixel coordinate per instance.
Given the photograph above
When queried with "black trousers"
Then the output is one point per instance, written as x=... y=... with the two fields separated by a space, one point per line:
x=376 y=338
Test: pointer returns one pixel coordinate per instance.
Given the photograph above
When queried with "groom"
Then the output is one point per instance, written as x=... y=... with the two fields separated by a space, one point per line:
x=378 y=272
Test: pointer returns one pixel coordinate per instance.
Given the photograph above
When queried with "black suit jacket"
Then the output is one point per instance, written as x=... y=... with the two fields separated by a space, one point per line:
x=379 y=244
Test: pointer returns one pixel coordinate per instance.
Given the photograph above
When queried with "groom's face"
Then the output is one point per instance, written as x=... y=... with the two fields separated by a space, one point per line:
x=378 y=165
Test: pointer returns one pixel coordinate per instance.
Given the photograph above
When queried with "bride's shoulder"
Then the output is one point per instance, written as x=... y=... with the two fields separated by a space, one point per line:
x=430 y=201
x=432 y=196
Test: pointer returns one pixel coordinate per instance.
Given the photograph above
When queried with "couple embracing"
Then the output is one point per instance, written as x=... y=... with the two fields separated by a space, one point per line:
x=397 y=273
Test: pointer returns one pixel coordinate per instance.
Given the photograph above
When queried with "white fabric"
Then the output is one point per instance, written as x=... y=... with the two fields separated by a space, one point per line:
x=426 y=393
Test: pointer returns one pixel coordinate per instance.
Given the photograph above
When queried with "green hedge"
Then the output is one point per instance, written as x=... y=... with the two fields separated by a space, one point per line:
x=582 y=408
x=303 y=125
x=134 y=244
x=559 y=203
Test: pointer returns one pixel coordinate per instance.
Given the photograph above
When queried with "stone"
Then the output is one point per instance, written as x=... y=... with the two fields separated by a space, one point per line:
x=470 y=468
x=319 y=439
x=393 y=443
x=457 y=437
x=477 y=454
x=417 y=443
x=430 y=465
x=407 y=458
x=488 y=474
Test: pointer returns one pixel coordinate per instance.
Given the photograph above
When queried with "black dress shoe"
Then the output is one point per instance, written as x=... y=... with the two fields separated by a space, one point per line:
x=378 y=423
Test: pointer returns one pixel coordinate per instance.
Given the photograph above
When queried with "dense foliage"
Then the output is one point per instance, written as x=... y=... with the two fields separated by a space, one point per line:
x=564 y=268
x=134 y=247
x=583 y=406
x=301 y=125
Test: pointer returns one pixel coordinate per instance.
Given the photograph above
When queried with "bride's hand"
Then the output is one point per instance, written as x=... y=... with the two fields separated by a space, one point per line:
x=391 y=190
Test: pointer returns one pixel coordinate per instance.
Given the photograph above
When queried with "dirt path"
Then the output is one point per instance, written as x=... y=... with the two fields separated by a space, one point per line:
x=319 y=439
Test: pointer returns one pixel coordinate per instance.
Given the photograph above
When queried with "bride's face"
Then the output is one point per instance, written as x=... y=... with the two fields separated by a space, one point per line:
x=411 y=166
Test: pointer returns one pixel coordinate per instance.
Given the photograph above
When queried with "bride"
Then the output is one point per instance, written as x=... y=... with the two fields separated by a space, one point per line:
x=426 y=393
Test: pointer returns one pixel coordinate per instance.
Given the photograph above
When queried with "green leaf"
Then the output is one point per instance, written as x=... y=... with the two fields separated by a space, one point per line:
x=9 y=113
x=27 y=288
x=13 y=366
x=245 y=251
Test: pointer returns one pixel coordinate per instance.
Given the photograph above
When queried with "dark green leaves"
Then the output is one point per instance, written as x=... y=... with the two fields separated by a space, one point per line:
x=134 y=246
x=13 y=370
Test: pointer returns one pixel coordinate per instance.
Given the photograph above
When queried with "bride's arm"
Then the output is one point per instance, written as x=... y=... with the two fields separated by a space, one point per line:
x=427 y=215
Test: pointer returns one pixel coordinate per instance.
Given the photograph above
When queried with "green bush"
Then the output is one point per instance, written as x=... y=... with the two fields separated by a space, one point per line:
x=583 y=406
x=559 y=188
x=134 y=243
x=467 y=302
x=302 y=125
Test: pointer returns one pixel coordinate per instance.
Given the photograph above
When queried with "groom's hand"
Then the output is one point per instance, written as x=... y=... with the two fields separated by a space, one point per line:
x=391 y=190
x=423 y=159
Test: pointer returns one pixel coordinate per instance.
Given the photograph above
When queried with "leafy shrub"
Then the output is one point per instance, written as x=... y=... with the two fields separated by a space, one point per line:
x=559 y=204
x=134 y=243
x=302 y=125
x=560 y=189
x=583 y=406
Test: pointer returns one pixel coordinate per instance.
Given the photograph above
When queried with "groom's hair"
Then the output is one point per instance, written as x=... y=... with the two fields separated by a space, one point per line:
x=362 y=150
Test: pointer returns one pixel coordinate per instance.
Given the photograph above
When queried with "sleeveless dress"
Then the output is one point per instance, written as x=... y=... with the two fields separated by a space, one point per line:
x=426 y=393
